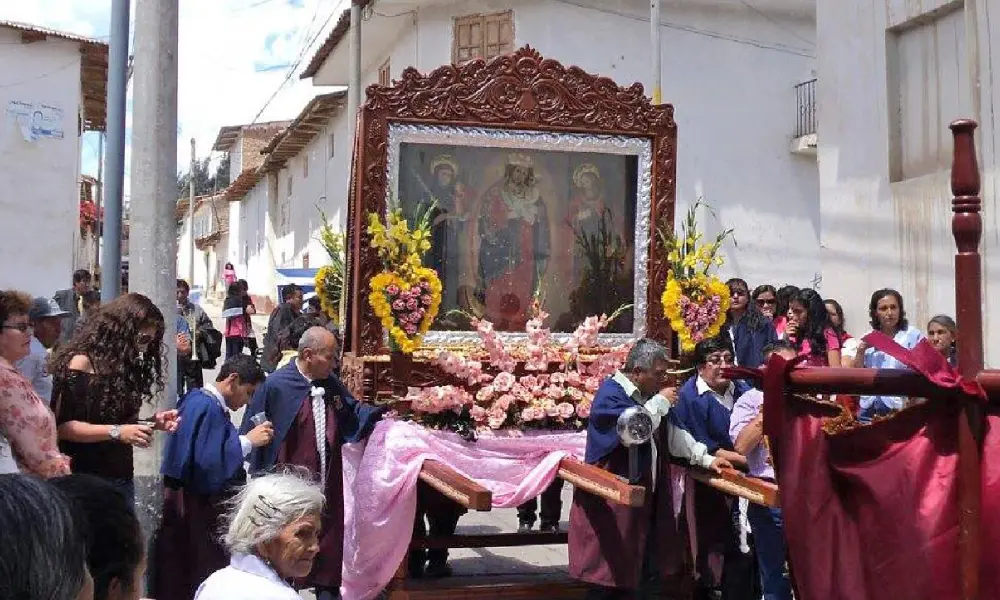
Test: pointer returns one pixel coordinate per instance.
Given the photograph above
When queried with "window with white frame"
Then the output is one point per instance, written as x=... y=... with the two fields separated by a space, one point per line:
x=305 y=166
x=332 y=146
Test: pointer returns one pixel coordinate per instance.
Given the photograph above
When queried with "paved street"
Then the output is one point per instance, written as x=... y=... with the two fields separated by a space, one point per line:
x=481 y=561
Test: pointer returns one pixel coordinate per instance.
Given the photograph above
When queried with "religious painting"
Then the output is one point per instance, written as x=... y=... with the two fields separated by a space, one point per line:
x=515 y=222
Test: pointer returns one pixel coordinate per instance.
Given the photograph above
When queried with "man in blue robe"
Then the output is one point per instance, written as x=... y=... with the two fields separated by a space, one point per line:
x=307 y=402
x=618 y=549
x=202 y=461
x=703 y=409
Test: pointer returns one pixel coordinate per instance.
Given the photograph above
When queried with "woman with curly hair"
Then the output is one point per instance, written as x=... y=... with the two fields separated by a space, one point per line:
x=27 y=430
x=101 y=379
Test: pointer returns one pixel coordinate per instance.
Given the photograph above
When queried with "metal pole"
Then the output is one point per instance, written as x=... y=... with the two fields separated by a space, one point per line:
x=152 y=211
x=654 y=41
x=111 y=258
x=98 y=201
x=191 y=248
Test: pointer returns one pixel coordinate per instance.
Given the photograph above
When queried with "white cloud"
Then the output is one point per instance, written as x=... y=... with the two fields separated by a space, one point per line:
x=233 y=56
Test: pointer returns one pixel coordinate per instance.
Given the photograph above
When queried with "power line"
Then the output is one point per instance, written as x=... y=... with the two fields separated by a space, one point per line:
x=696 y=31
x=298 y=60
x=776 y=23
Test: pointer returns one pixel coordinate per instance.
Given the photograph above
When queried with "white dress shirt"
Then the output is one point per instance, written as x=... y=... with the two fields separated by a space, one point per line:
x=726 y=398
x=680 y=443
x=211 y=390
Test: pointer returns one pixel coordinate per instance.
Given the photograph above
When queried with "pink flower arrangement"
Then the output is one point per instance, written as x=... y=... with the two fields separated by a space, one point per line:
x=699 y=316
x=553 y=388
x=408 y=306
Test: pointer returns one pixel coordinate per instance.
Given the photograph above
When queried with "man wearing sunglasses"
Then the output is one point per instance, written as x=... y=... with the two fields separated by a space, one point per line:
x=704 y=406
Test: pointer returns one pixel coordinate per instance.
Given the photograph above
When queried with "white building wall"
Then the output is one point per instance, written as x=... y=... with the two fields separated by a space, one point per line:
x=730 y=74
x=885 y=150
x=40 y=177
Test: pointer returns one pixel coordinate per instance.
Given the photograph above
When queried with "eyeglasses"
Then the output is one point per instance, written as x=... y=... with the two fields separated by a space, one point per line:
x=719 y=359
x=766 y=302
x=739 y=293
x=22 y=327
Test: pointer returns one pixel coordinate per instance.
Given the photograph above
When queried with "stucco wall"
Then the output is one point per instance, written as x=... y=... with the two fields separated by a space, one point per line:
x=883 y=233
x=40 y=177
x=730 y=74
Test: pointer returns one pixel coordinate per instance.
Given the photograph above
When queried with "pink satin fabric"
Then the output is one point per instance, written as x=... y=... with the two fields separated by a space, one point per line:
x=381 y=479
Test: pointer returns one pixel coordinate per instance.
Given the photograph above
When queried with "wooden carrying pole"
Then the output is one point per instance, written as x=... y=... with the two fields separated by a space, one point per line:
x=967 y=227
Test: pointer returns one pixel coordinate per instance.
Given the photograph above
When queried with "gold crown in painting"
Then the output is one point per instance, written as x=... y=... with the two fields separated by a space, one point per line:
x=445 y=160
x=584 y=169
x=520 y=160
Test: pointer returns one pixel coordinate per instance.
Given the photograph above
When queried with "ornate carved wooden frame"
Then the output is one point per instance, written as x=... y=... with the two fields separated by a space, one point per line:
x=521 y=91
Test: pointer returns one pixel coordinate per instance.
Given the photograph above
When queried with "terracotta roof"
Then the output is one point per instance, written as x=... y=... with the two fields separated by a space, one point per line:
x=182 y=204
x=336 y=35
x=243 y=184
x=229 y=134
x=302 y=130
x=93 y=70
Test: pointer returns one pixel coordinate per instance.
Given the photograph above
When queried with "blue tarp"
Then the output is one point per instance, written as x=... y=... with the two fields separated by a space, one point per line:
x=304 y=278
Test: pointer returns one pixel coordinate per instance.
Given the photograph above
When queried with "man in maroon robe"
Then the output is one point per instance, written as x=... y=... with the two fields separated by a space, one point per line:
x=307 y=404
x=611 y=547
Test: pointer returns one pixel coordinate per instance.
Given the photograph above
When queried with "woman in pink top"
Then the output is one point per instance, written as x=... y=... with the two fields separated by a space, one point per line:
x=809 y=330
x=229 y=275
x=28 y=440
x=235 y=310
x=784 y=298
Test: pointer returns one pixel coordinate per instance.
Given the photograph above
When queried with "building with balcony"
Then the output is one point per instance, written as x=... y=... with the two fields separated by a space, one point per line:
x=885 y=102
x=729 y=69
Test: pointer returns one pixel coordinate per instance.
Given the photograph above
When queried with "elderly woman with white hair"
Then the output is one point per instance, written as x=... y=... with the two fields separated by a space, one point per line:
x=273 y=537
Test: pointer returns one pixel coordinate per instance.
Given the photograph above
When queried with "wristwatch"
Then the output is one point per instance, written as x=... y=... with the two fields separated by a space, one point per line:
x=115 y=432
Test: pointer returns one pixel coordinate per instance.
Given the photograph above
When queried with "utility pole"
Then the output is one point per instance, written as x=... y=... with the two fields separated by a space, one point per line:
x=111 y=258
x=353 y=105
x=194 y=344
x=153 y=234
x=654 y=40
x=99 y=202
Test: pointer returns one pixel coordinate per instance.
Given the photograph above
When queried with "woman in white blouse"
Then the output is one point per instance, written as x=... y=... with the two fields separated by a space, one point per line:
x=273 y=538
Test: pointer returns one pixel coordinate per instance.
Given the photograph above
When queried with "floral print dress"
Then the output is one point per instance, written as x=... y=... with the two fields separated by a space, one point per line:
x=28 y=426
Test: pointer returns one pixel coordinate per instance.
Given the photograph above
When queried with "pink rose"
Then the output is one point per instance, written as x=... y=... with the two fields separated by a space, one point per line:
x=392 y=290
x=557 y=378
x=504 y=381
x=551 y=410
x=425 y=300
x=565 y=410
x=573 y=378
x=529 y=381
x=411 y=304
x=478 y=414
x=410 y=329
x=555 y=392
x=398 y=305
x=505 y=401
x=484 y=393
x=583 y=410
x=497 y=416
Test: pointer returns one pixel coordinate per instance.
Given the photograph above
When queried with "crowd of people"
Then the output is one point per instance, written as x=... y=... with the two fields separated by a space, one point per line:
x=77 y=380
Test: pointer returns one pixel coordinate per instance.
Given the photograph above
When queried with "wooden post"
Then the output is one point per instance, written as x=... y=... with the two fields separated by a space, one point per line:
x=967 y=227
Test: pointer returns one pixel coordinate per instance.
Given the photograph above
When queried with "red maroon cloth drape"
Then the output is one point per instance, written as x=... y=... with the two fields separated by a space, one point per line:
x=872 y=513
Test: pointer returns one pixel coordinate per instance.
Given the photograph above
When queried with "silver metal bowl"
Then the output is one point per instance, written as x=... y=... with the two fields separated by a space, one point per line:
x=635 y=426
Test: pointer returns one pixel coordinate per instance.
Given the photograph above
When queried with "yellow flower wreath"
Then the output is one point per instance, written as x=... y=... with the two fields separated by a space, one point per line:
x=379 y=300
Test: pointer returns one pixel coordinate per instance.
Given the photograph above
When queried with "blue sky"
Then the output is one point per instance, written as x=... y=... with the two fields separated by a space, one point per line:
x=233 y=55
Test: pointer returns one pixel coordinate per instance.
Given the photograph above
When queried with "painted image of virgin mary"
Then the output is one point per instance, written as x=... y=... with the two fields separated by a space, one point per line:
x=515 y=246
